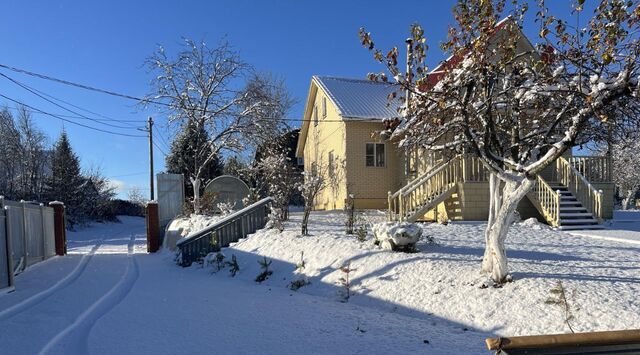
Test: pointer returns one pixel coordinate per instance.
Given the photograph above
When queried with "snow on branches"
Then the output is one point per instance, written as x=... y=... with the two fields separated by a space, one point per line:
x=516 y=106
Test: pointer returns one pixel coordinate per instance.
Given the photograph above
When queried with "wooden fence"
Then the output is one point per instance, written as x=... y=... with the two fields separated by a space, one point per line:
x=224 y=232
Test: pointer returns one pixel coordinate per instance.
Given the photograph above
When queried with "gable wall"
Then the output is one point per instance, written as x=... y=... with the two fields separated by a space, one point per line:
x=323 y=139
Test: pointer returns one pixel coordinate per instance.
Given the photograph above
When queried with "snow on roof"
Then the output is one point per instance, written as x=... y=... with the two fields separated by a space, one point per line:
x=360 y=99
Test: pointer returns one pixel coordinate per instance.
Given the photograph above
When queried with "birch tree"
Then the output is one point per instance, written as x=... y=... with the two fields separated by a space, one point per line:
x=516 y=109
x=212 y=87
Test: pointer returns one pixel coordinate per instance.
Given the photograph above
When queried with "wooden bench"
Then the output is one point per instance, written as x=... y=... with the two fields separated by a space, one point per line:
x=610 y=342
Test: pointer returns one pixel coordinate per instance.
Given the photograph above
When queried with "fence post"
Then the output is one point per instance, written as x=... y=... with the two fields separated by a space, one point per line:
x=153 y=227
x=59 y=228
x=25 y=243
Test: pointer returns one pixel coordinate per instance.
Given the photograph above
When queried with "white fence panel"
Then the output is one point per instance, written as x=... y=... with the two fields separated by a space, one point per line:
x=35 y=234
x=170 y=196
x=15 y=229
x=49 y=232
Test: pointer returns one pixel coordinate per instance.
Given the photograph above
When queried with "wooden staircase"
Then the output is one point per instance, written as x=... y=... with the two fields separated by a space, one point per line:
x=425 y=192
x=573 y=215
x=567 y=201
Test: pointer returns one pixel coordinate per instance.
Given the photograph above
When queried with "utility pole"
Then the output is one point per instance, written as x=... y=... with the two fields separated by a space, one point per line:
x=150 y=130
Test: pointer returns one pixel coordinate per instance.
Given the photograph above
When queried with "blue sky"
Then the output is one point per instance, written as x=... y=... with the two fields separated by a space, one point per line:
x=105 y=43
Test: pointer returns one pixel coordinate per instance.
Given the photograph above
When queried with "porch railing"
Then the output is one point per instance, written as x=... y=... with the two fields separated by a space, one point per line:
x=224 y=232
x=587 y=194
x=547 y=199
x=594 y=169
x=423 y=190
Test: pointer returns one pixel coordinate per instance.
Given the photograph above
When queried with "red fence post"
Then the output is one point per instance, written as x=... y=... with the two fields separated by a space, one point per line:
x=59 y=228
x=153 y=227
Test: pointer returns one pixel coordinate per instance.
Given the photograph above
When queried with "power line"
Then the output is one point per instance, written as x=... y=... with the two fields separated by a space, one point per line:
x=161 y=150
x=130 y=97
x=69 y=121
x=33 y=91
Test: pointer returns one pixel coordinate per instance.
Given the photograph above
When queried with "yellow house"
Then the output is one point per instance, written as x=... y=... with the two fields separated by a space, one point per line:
x=339 y=138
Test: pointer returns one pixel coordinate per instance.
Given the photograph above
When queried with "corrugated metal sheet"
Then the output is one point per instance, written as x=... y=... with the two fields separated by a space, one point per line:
x=361 y=99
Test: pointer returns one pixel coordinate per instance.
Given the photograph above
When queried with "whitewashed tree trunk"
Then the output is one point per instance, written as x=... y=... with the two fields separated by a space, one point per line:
x=196 y=194
x=495 y=198
x=504 y=201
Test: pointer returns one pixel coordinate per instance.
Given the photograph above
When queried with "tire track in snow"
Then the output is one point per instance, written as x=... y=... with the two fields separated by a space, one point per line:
x=61 y=284
x=74 y=339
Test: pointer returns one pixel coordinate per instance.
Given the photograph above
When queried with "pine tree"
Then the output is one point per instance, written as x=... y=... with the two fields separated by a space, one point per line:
x=188 y=152
x=65 y=182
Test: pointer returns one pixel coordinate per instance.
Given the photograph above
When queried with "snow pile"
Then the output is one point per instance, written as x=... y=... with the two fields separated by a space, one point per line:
x=394 y=234
x=183 y=226
x=533 y=223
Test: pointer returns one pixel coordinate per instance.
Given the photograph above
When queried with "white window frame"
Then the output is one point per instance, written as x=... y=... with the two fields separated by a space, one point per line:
x=324 y=107
x=375 y=150
x=315 y=115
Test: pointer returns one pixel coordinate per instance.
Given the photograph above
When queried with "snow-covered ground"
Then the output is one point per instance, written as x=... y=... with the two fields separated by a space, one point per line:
x=110 y=297
x=625 y=228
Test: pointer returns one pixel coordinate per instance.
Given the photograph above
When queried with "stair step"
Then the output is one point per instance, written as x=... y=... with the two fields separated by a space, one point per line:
x=567 y=197
x=579 y=227
x=577 y=214
x=572 y=209
x=578 y=221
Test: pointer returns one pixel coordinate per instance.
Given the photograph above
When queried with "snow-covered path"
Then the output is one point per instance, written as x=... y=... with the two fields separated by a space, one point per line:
x=56 y=303
x=109 y=297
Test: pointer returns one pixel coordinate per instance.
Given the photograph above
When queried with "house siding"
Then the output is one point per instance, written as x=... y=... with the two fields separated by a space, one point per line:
x=370 y=185
x=328 y=136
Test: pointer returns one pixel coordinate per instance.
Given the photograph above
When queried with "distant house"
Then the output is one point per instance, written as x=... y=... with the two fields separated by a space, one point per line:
x=340 y=133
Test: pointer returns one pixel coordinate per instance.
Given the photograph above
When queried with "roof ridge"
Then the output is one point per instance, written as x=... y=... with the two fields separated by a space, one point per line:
x=367 y=81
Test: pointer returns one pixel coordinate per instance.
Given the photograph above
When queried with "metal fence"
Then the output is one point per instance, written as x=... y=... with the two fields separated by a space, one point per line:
x=224 y=232
x=26 y=237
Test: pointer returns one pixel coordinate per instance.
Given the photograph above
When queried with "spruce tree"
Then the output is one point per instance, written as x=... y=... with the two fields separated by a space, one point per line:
x=189 y=150
x=65 y=182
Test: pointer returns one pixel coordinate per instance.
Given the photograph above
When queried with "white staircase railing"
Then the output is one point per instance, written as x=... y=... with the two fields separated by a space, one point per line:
x=422 y=191
x=587 y=194
x=547 y=201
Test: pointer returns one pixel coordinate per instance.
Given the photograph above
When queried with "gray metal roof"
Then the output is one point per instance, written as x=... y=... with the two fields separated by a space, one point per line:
x=360 y=99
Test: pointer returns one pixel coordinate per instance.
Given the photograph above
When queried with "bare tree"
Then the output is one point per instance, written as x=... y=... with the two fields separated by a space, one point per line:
x=515 y=107
x=314 y=182
x=213 y=88
x=136 y=196
x=626 y=169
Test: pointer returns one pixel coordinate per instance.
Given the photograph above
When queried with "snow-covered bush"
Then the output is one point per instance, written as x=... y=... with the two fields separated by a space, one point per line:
x=264 y=265
x=234 y=267
x=392 y=235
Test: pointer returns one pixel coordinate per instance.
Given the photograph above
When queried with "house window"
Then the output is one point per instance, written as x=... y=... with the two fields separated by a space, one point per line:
x=374 y=155
x=315 y=115
x=324 y=107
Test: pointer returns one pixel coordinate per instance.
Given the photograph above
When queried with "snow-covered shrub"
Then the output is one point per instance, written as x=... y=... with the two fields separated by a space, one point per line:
x=264 y=265
x=225 y=208
x=392 y=235
x=233 y=265
x=215 y=260
x=275 y=219
x=298 y=283
x=533 y=223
